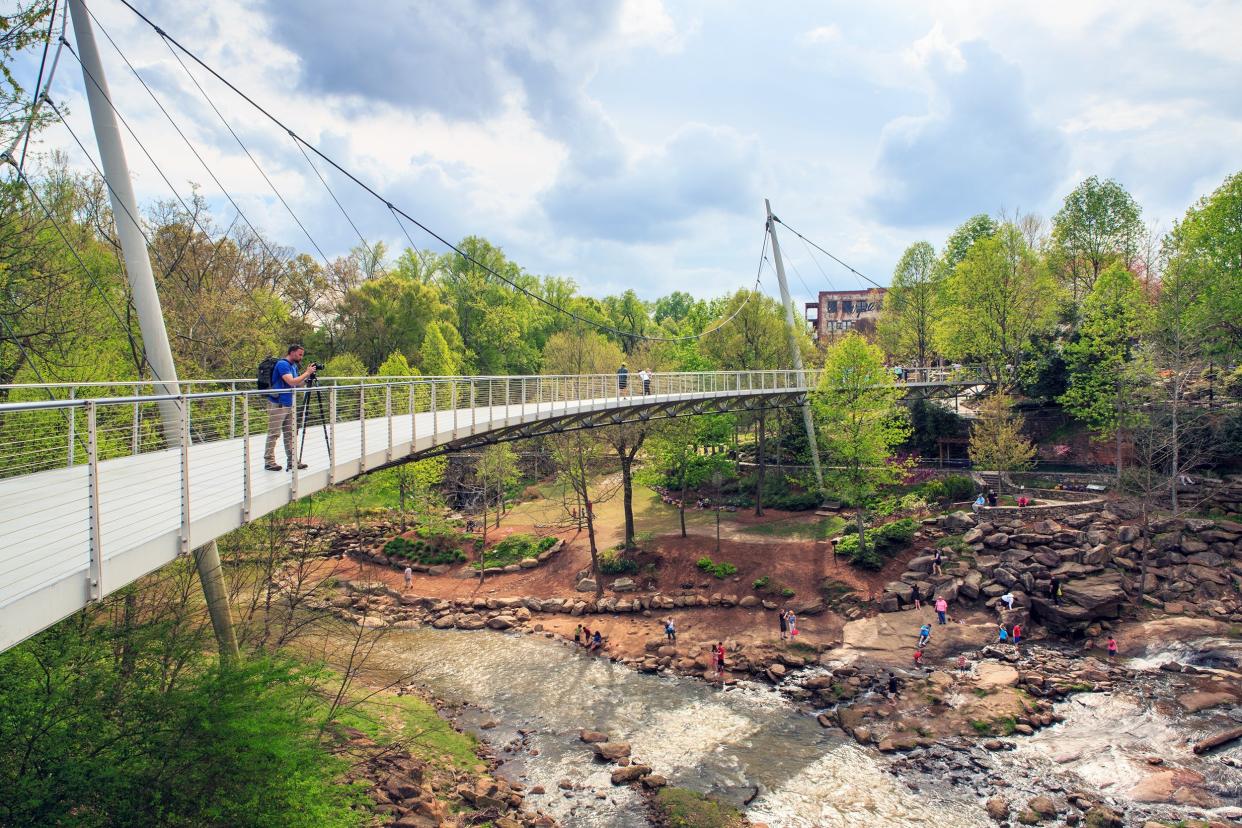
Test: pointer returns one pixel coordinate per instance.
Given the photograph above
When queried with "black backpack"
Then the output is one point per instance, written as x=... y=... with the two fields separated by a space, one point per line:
x=263 y=381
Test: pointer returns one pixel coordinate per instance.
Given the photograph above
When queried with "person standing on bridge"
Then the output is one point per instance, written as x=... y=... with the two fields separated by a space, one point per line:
x=623 y=381
x=285 y=377
x=645 y=376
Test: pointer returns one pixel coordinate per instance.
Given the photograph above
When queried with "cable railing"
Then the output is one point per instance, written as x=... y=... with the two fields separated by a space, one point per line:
x=50 y=425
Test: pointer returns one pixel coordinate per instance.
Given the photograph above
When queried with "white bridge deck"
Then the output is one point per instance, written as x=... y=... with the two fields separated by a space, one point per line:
x=74 y=534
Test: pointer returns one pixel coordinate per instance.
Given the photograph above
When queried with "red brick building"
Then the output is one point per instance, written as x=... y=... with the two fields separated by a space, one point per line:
x=838 y=311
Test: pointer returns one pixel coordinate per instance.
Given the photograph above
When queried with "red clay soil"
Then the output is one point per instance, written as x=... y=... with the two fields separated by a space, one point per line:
x=799 y=565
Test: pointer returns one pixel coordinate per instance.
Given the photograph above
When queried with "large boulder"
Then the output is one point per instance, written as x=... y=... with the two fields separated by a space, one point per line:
x=611 y=751
x=1101 y=594
x=958 y=520
x=624 y=585
x=586 y=585
x=1084 y=601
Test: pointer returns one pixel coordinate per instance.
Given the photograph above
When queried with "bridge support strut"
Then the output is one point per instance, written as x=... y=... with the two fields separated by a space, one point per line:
x=795 y=351
x=155 y=345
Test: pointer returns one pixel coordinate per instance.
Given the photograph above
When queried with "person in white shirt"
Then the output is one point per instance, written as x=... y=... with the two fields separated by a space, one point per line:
x=645 y=376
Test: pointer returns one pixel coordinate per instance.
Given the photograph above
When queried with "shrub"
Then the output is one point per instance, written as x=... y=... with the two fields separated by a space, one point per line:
x=761 y=583
x=422 y=552
x=787 y=592
x=720 y=570
x=933 y=491
x=792 y=501
x=515 y=548
x=882 y=542
x=958 y=487
x=614 y=562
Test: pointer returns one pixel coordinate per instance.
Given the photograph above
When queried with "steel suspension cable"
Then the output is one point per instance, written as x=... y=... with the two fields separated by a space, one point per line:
x=171 y=42
x=817 y=247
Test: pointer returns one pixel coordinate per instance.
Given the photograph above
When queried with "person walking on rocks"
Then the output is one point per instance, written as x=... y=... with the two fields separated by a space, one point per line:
x=793 y=625
x=670 y=631
x=892 y=685
x=942 y=609
x=918 y=657
x=924 y=635
x=1008 y=599
x=1002 y=635
x=409 y=578
x=586 y=637
x=718 y=657
x=578 y=634
x=784 y=622
x=1017 y=634
x=1112 y=648
x=597 y=642
x=937 y=560
x=916 y=597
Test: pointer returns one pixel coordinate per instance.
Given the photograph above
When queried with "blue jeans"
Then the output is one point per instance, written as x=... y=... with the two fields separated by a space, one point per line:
x=940 y=615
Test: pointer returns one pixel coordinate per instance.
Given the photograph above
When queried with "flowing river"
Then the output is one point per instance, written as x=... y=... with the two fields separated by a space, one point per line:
x=725 y=742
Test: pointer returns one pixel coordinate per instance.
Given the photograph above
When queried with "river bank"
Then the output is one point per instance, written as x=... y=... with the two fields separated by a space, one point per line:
x=978 y=729
x=761 y=747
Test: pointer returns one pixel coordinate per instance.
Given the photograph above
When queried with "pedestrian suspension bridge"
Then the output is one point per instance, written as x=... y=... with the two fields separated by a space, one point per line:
x=93 y=495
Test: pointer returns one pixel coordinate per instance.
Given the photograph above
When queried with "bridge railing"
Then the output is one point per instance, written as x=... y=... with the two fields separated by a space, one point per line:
x=45 y=426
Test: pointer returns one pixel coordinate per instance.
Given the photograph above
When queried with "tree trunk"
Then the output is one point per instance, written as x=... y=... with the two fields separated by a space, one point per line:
x=681 y=506
x=1175 y=447
x=1146 y=554
x=862 y=537
x=762 y=426
x=627 y=497
x=483 y=547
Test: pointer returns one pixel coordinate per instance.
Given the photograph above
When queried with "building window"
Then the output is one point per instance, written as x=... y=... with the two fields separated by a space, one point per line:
x=830 y=306
x=847 y=306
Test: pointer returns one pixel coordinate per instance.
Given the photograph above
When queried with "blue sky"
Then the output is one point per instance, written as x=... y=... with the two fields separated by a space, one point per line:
x=630 y=143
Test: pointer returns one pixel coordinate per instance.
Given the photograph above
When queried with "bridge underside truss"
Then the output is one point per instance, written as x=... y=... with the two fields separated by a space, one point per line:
x=636 y=414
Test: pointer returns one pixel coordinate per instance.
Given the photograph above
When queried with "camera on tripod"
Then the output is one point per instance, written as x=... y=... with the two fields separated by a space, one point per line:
x=313 y=379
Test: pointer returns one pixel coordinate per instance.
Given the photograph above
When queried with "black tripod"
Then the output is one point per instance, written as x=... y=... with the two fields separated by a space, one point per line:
x=315 y=394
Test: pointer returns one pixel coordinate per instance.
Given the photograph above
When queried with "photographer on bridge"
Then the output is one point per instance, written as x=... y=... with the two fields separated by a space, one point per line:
x=285 y=376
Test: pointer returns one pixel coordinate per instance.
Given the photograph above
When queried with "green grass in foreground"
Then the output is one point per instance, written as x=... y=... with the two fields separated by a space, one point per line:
x=416 y=724
x=822 y=529
x=682 y=808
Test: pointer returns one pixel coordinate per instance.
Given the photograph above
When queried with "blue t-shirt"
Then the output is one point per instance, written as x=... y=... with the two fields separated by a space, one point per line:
x=283 y=366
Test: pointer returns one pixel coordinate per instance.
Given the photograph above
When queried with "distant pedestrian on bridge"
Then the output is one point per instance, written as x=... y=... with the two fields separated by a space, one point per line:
x=645 y=376
x=623 y=381
x=285 y=377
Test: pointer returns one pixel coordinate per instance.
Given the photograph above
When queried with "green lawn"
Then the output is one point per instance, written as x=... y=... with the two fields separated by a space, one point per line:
x=822 y=529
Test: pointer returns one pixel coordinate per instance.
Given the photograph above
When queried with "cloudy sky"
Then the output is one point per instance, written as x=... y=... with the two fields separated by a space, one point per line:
x=630 y=143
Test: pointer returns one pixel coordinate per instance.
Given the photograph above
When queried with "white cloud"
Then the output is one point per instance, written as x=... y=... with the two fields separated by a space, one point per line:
x=628 y=143
x=823 y=34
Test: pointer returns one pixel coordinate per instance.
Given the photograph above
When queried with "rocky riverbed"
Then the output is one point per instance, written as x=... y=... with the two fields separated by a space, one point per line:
x=1053 y=732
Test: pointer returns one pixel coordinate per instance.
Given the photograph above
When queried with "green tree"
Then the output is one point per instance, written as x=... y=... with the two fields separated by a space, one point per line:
x=911 y=307
x=20 y=29
x=981 y=226
x=996 y=441
x=388 y=313
x=859 y=421
x=998 y=297
x=1205 y=252
x=1112 y=319
x=1098 y=224
x=435 y=356
x=754 y=339
x=674 y=449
